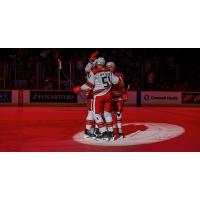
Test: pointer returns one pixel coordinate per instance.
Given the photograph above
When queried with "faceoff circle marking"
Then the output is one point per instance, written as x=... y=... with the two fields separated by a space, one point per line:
x=155 y=132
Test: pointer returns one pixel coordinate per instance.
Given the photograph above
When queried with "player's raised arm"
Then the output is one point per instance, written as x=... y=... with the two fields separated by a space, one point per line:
x=91 y=62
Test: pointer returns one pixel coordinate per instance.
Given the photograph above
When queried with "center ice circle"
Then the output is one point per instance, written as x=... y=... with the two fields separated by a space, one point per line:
x=155 y=132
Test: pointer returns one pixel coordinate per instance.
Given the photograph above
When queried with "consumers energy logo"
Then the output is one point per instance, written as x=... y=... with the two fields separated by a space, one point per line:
x=161 y=98
x=154 y=132
x=147 y=97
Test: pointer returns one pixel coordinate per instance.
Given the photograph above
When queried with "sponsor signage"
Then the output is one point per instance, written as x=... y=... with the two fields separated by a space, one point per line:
x=5 y=96
x=53 y=96
x=161 y=98
x=191 y=97
x=81 y=98
x=132 y=97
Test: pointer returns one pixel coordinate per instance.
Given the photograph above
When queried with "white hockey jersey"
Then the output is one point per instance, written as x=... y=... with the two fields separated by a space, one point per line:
x=100 y=80
x=89 y=67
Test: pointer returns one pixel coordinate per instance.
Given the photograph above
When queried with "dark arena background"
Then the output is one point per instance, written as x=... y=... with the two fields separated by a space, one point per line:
x=40 y=112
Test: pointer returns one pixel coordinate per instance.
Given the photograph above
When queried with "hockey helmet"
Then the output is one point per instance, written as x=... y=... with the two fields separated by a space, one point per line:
x=110 y=65
x=100 y=61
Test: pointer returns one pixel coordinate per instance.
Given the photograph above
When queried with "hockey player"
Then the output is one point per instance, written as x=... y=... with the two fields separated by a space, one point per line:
x=100 y=80
x=90 y=116
x=119 y=96
x=90 y=121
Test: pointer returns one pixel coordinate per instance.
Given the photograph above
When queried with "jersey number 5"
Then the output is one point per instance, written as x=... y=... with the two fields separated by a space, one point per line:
x=106 y=81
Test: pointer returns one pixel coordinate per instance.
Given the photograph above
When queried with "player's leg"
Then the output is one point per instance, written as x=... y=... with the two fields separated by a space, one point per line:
x=109 y=124
x=119 y=105
x=98 y=110
x=108 y=116
x=96 y=128
x=89 y=124
x=89 y=120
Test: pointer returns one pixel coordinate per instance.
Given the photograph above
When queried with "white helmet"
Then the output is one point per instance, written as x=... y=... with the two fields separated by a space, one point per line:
x=100 y=61
x=110 y=65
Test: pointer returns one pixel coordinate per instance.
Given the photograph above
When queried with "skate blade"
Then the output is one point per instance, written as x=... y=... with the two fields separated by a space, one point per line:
x=121 y=137
x=89 y=137
x=102 y=139
x=112 y=139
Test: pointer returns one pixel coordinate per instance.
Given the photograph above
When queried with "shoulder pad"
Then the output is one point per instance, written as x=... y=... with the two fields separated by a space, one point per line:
x=102 y=69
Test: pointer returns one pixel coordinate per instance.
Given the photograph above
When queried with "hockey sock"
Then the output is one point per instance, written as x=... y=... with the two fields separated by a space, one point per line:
x=119 y=122
x=89 y=120
x=100 y=123
x=109 y=121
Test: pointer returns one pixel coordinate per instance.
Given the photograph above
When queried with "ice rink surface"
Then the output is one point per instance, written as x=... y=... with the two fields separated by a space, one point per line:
x=60 y=129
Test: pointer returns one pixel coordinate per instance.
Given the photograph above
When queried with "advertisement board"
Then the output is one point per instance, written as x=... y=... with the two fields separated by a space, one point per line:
x=131 y=98
x=52 y=96
x=160 y=98
x=191 y=97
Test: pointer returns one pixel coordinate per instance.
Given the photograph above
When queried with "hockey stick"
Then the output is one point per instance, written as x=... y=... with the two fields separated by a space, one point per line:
x=66 y=77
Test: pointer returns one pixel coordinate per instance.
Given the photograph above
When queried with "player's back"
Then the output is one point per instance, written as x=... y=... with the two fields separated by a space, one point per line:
x=103 y=80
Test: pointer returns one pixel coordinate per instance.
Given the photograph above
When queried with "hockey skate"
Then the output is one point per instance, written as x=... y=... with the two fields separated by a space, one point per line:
x=120 y=134
x=111 y=135
x=103 y=136
x=96 y=131
x=88 y=134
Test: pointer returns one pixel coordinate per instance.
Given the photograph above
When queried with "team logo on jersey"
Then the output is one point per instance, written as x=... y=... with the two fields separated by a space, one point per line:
x=150 y=133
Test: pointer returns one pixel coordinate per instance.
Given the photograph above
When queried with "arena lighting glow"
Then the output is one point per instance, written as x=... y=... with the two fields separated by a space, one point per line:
x=154 y=132
x=152 y=97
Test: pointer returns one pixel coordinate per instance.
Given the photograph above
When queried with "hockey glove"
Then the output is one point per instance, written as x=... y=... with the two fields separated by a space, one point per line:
x=77 y=89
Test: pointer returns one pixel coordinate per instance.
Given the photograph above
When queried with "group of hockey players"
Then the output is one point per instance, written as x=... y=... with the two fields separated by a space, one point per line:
x=106 y=94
